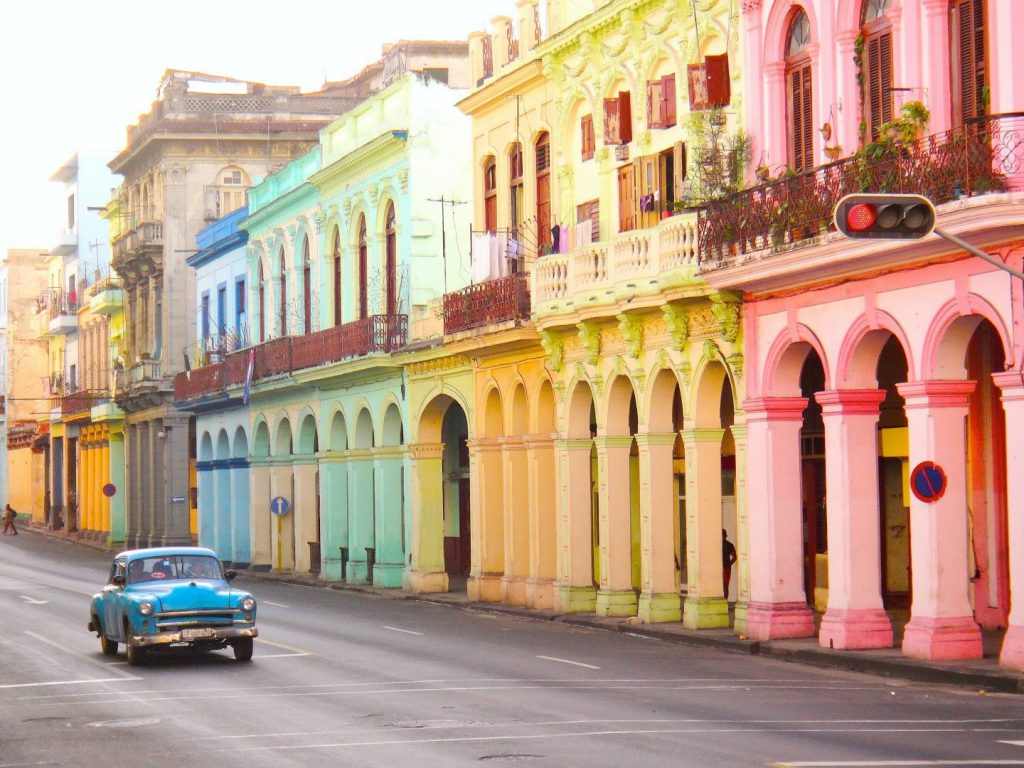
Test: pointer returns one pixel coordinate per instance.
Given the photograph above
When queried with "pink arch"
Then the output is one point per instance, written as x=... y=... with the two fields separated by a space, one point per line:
x=859 y=329
x=778 y=24
x=775 y=361
x=944 y=319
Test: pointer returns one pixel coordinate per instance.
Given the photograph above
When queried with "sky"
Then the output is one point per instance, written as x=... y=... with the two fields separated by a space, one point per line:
x=74 y=74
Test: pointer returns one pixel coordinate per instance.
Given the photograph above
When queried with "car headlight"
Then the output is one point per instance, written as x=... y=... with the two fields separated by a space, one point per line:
x=248 y=604
x=146 y=608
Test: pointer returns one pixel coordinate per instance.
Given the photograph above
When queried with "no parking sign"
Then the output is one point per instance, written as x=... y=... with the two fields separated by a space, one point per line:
x=928 y=482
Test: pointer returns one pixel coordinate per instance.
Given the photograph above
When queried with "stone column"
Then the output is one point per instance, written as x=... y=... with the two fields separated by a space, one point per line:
x=390 y=525
x=543 y=515
x=304 y=507
x=487 y=520
x=241 y=511
x=117 y=478
x=574 y=568
x=742 y=572
x=205 y=471
x=171 y=478
x=515 y=476
x=615 y=597
x=941 y=624
x=362 y=506
x=1012 y=654
x=282 y=528
x=221 y=510
x=333 y=513
x=259 y=497
x=659 y=592
x=705 y=606
x=426 y=569
x=855 y=617
x=778 y=605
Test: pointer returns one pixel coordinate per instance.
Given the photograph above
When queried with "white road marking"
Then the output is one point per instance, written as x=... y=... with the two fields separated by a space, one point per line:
x=70 y=682
x=70 y=652
x=32 y=601
x=894 y=763
x=279 y=655
x=567 y=661
x=1013 y=743
x=405 y=631
x=276 y=605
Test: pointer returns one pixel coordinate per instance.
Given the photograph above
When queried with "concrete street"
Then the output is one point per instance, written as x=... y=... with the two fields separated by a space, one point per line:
x=349 y=679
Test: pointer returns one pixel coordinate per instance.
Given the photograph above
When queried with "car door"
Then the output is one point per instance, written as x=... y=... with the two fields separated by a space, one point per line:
x=112 y=599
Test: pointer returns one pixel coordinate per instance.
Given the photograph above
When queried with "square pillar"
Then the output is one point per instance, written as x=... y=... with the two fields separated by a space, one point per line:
x=1012 y=654
x=515 y=476
x=426 y=568
x=574 y=566
x=487 y=521
x=282 y=528
x=778 y=606
x=616 y=596
x=855 y=617
x=659 y=589
x=260 y=496
x=942 y=625
x=362 y=514
x=304 y=510
x=739 y=621
x=542 y=514
x=333 y=514
x=705 y=606
x=389 y=471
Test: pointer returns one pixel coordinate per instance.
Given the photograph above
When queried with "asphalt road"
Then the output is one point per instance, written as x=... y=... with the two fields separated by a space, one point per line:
x=347 y=679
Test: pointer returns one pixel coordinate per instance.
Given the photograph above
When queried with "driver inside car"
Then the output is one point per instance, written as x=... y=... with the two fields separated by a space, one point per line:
x=162 y=570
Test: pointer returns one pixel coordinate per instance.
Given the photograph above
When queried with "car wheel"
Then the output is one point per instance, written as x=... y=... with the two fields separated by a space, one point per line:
x=108 y=646
x=136 y=654
x=243 y=649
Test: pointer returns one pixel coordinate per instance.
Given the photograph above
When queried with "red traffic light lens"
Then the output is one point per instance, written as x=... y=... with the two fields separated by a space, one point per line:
x=861 y=217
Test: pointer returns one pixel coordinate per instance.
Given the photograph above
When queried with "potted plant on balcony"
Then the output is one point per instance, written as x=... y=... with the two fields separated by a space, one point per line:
x=879 y=160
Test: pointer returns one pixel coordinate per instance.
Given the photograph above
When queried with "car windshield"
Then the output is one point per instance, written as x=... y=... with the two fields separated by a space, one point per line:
x=167 y=567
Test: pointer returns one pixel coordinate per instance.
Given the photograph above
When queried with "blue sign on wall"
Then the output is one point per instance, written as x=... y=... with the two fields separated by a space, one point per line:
x=279 y=506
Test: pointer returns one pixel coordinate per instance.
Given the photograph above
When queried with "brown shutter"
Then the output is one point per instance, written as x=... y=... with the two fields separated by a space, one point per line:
x=654 y=115
x=697 y=85
x=587 y=137
x=807 y=136
x=638 y=175
x=612 y=124
x=627 y=198
x=719 y=87
x=967 y=32
x=678 y=168
x=625 y=118
x=668 y=98
x=879 y=84
x=885 y=49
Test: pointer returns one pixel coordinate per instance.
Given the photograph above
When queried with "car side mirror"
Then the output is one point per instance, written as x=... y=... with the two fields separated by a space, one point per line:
x=229 y=575
x=118 y=581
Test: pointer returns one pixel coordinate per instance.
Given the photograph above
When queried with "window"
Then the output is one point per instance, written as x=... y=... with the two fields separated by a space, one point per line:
x=969 y=71
x=587 y=137
x=876 y=66
x=222 y=308
x=282 y=320
x=391 y=262
x=543 y=152
x=204 y=316
x=491 y=195
x=588 y=213
x=798 y=94
x=618 y=119
x=515 y=186
x=708 y=83
x=661 y=102
x=363 y=308
x=307 y=290
x=240 y=304
x=337 y=277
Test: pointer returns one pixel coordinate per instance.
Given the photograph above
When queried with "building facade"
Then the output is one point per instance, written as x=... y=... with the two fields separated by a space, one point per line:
x=869 y=360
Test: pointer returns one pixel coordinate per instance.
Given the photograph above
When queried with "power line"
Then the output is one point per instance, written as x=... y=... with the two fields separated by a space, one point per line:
x=444 y=254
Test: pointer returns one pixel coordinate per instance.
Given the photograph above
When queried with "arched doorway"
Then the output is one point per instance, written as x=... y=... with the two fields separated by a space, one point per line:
x=487 y=574
x=579 y=570
x=390 y=525
x=362 y=502
x=222 y=493
x=306 y=505
x=334 y=485
x=260 y=492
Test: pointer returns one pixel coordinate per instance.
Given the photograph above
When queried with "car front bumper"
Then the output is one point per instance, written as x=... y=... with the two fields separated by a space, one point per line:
x=197 y=635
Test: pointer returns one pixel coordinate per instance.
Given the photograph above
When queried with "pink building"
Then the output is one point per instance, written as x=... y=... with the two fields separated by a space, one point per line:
x=865 y=359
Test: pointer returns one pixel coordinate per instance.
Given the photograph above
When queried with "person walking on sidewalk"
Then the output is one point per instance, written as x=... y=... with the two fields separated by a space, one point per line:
x=9 y=515
x=728 y=558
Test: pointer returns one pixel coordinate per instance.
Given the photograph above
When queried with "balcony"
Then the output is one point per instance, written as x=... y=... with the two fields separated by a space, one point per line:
x=147 y=236
x=62 y=313
x=635 y=263
x=502 y=300
x=78 y=403
x=984 y=156
x=106 y=296
x=198 y=382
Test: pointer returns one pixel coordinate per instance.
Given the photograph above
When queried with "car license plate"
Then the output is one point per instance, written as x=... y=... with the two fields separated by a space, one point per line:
x=196 y=634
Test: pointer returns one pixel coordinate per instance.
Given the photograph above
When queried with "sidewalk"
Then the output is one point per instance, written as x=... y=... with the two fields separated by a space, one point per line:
x=980 y=674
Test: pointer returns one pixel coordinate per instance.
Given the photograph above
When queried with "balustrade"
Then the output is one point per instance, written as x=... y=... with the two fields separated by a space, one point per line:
x=493 y=301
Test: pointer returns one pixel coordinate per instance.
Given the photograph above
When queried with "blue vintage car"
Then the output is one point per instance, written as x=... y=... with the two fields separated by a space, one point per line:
x=172 y=596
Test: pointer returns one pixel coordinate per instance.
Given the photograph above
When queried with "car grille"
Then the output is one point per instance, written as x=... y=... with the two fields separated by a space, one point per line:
x=170 y=620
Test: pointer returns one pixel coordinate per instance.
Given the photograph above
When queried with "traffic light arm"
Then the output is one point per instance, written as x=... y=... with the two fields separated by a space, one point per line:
x=979 y=253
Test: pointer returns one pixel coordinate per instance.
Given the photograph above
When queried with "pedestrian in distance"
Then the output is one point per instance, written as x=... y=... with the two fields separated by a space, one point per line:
x=728 y=558
x=9 y=515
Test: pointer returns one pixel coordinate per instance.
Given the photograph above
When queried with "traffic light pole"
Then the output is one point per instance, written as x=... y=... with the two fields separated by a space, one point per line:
x=994 y=260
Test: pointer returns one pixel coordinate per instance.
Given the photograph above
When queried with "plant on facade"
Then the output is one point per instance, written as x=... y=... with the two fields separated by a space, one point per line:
x=718 y=160
x=878 y=169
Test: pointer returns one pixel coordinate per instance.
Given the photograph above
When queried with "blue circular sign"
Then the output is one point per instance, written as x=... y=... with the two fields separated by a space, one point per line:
x=928 y=481
x=279 y=506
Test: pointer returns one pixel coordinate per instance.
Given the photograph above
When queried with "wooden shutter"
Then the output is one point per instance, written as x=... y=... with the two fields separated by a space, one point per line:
x=654 y=104
x=679 y=168
x=801 y=133
x=611 y=121
x=627 y=198
x=625 y=118
x=668 y=100
x=969 y=73
x=878 y=50
x=648 y=183
x=587 y=137
x=697 y=84
x=719 y=86
x=590 y=210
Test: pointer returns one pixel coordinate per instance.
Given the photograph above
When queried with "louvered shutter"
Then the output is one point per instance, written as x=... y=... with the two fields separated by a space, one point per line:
x=697 y=86
x=654 y=114
x=625 y=118
x=879 y=83
x=678 y=168
x=668 y=99
x=719 y=86
x=967 y=27
x=612 y=123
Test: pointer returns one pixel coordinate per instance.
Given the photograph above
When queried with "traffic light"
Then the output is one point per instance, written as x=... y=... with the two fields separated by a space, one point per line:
x=885 y=217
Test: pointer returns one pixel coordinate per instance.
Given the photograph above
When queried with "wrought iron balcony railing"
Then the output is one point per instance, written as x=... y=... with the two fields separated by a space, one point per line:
x=985 y=155
x=493 y=301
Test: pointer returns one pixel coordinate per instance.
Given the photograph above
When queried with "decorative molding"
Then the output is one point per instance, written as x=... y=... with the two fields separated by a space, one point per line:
x=554 y=348
x=727 y=313
x=403 y=180
x=749 y=6
x=677 y=321
x=632 y=329
x=710 y=350
x=735 y=361
x=590 y=340
x=686 y=371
